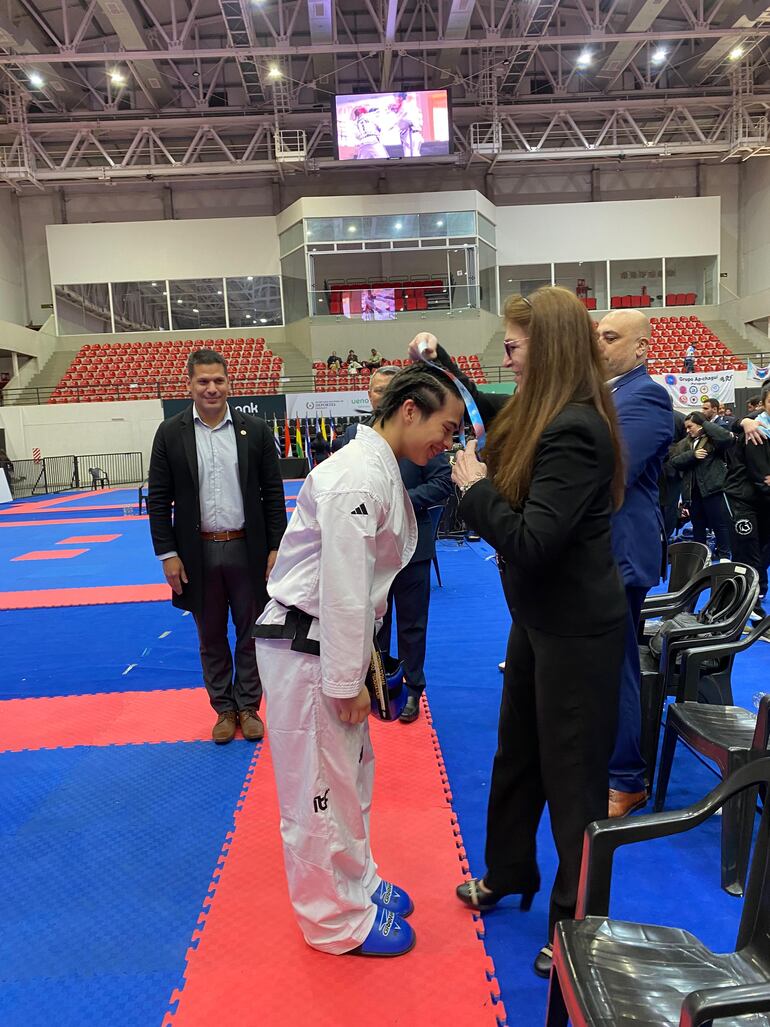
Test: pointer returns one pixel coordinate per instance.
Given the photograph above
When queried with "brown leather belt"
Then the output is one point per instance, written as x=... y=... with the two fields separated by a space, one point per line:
x=222 y=536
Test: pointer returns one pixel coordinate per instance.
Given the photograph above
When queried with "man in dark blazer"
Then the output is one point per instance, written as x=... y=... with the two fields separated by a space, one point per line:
x=217 y=514
x=646 y=423
x=427 y=486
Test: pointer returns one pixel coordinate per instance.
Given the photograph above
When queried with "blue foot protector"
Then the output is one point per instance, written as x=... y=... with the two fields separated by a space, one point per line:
x=389 y=936
x=394 y=899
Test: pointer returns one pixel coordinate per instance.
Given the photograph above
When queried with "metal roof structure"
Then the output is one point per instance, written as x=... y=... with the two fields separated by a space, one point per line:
x=107 y=90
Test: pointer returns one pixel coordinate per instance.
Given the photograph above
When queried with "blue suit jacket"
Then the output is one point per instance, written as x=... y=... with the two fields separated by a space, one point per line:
x=427 y=486
x=646 y=423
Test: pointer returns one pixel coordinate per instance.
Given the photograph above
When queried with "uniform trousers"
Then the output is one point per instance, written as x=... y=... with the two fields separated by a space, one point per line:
x=750 y=528
x=324 y=775
x=711 y=512
x=228 y=588
x=557 y=728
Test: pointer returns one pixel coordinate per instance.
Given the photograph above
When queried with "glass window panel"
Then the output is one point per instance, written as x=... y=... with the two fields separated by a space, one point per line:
x=461 y=222
x=587 y=279
x=197 y=303
x=254 y=300
x=83 y=309
x=294 y=278
x=636 y=283
x=291 y=238
x=523 y=279
x=486 y=229
x=487 y=277
x=434 y=226
x=140 y=306
x=392 y=226
x=690 y=280
x=329 y=229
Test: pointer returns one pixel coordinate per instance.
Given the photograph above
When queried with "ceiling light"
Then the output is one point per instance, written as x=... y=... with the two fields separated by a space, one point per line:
x=584 y=59
x=352 y=228
x=117 y=77
x=250 y=278
x=275 y=72
x=36 y=80
x=736 y=53
x=195 y=310
x=219 y=292
x=263 y=320
x=398 y=226
x=660 y=55
x=179 y=301
x=439 y=224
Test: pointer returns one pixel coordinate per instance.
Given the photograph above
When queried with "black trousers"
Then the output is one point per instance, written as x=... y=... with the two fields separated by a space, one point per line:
x=750 y=529
x=558 y=719
x=711 y=512
x=410 y=594
x=229 y=590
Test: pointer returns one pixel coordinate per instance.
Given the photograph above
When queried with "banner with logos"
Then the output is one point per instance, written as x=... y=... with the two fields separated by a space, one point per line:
x=266 y=407
x=756 y=373
x=328 y=404
x=689 y=390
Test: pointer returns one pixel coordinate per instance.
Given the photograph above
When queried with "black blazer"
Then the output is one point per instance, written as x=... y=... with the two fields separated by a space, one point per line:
x=560 y=572
x=174 y=507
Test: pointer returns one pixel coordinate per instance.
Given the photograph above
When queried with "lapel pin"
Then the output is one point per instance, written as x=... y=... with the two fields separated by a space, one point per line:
x=243 y=431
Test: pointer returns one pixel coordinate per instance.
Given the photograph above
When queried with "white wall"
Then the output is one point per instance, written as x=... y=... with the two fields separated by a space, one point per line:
x=140 y=251
x=754 y=275
x=13 y=301
x=616 y=230
x=82 y=428
x=367 y=204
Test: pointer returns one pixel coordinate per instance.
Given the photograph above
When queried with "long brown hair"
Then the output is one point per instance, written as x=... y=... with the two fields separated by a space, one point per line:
x=564 y=366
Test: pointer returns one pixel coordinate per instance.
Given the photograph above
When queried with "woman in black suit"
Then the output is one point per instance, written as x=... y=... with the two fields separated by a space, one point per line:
x=543 y=499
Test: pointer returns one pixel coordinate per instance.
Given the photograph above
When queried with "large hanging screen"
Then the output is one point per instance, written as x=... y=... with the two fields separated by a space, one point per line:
x=383 y=126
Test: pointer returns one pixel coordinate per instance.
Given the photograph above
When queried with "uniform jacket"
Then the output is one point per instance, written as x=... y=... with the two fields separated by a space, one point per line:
x=173 y=498
x=710 y=472
x=352 y=531
x=427 y=486
x=646 y=424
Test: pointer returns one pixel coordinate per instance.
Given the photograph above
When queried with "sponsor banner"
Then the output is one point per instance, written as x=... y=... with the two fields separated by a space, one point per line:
x=756 y=373
x=689 y=390
x=266 y=407
x=327 y=404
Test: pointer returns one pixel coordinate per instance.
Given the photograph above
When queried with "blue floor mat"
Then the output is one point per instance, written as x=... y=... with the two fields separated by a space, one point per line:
x=107 y=856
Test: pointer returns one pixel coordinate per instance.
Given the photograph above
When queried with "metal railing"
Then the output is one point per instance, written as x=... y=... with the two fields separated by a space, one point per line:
x=53 y=474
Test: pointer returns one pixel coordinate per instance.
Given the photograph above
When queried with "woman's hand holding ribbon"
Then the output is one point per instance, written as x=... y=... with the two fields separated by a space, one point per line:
x=466 y=467
x=423 y=346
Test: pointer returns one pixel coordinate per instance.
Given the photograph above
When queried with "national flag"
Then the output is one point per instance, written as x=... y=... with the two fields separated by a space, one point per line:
x=324 y=436
x=308 y=449
x=287 y=439
x=332 y=431
x=276 y=436
x=298 y=440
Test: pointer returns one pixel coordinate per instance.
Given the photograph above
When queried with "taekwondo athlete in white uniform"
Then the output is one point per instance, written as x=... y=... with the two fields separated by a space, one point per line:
x=352 y=531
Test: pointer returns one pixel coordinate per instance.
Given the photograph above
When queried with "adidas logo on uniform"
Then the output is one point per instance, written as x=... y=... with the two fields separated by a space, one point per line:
x=360 y=510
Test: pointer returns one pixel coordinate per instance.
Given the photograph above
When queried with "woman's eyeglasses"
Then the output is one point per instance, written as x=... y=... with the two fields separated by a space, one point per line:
x=509 y=346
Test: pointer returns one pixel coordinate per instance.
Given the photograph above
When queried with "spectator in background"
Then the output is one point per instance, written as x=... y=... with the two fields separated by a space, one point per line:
x=6 y=464
x=671 y=481
x=354 y=366
x=375 y=360
x=428 y=485
x=217 y=515
x=646 y=427
x=320 y=448
x=689 y=359
x=754 y=404
x=333 y=362
x=710 y=410
x=700 y=460
x=729 y=412
x=352 y=358
x=758 y=469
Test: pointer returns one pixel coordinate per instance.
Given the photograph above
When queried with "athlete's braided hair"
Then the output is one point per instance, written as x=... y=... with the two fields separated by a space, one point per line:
x=426 y=386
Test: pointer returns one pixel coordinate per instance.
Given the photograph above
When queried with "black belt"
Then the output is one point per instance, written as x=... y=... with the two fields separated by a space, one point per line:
x=295 y=627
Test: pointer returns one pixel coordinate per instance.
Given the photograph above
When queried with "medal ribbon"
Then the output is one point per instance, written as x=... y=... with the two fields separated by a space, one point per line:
x=470 y=403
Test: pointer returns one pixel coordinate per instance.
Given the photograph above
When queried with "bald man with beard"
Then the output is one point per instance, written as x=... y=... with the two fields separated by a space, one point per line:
x=646 y=423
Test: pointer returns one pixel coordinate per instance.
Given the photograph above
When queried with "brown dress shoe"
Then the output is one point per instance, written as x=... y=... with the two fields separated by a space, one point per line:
x=251 y=724
x=224 y=729
x=623 y=803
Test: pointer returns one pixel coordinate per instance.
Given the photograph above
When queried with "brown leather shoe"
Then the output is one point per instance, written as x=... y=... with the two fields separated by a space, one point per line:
x=224 y=729
x=251 y=724
x=623 y=803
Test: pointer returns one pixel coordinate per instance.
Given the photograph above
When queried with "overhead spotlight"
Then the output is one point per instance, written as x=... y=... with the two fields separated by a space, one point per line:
x=179 y=301
x=263 y=320
x=36 y=80
x=660 y=55
x=154 y=284
x=275 y=72
x=250 y=278
x=196 y=74
x=117 y=77
x=195 y=310
x=736 y=53
x=219 y=292
x=584 y=59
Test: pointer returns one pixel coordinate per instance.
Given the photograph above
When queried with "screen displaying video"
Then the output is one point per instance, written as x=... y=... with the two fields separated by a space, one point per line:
x=368 y=304
x=382 y=126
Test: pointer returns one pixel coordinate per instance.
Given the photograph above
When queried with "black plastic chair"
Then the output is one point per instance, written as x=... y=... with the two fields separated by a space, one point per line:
x=142 y=497
x=728 y=735
x=99 y=478
x=734 y=589
x=436 y=513
x=613 y=972
x=685 y=560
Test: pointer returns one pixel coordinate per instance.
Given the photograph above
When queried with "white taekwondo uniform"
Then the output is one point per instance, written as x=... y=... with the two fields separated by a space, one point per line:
x=352 y=531
x=409 y=121
x=368 y=130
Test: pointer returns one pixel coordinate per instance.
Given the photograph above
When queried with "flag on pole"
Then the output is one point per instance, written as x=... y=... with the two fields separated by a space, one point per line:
x=287 y=439
x=298 y=440
x=324 y=436
x=308 y=450
x=332 y=432
x=276 y=436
